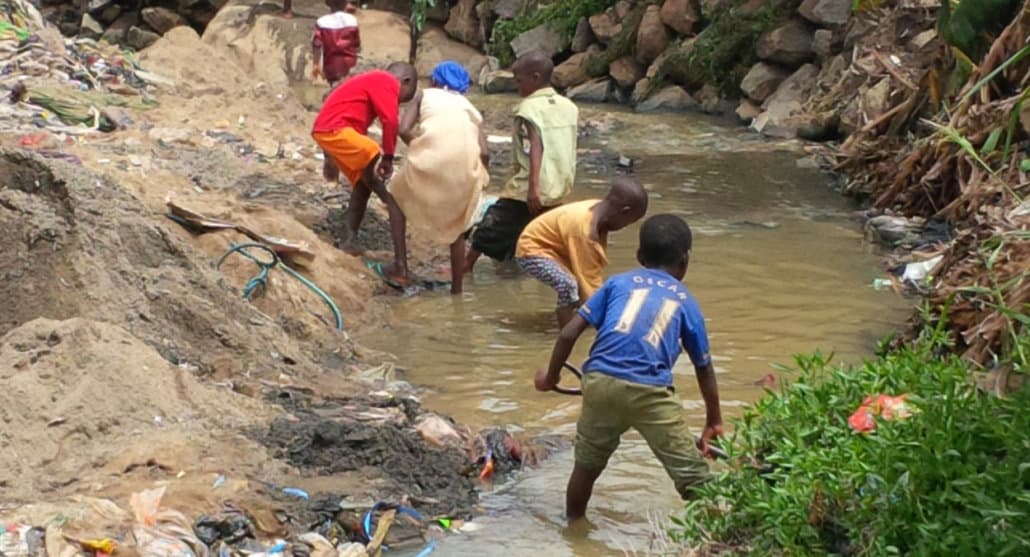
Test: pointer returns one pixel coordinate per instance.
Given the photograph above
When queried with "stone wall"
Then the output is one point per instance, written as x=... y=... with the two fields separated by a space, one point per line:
x=133 y=23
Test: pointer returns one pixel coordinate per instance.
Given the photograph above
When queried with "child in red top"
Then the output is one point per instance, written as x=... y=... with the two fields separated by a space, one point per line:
x=335 y=47
x=336 y=42
x=341 y=131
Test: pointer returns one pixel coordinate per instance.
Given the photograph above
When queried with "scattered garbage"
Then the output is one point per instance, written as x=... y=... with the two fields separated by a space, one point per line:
x=885 y=407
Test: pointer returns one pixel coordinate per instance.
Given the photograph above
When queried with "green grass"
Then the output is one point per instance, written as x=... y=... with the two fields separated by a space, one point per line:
x=954 y=479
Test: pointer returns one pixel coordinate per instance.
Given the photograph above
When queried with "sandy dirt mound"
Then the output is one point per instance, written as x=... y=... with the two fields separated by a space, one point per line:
x=79 y=396
x=85 y=247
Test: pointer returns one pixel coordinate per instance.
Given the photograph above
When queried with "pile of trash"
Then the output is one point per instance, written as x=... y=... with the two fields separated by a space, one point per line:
x=65 y=86
x=331 y=526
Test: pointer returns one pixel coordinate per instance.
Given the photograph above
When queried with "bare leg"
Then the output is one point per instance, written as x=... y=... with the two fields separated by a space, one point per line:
x=470 y=260
x=399 y=269
x=579 y=490
x=287 y=9
x=457 y=260
x=565 y=314
x=354 y=214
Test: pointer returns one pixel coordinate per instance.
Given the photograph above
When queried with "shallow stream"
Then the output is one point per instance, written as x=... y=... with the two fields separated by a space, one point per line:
x=779 y=267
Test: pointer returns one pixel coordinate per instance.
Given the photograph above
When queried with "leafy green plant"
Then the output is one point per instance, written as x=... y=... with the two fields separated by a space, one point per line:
x=953 y=479
x=562 y=15
x=417 y=21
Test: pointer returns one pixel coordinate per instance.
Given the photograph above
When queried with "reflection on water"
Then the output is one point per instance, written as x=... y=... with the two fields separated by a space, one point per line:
x=778 y=267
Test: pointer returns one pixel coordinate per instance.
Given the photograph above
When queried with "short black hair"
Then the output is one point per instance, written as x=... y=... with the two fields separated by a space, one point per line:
x=664 y=240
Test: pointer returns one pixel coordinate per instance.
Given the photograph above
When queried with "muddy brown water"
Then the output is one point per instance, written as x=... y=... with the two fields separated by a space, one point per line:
x=779 y=267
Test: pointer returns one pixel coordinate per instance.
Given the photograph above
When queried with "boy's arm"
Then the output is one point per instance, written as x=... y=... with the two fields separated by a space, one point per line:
x=547 y=379
x=316 y=55
x=587 y=260
x=410 y=119
x=386 y=104
x=713 y=414
x=536 y=157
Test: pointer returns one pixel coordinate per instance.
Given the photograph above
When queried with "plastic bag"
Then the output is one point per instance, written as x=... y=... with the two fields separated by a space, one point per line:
x=162 y=533
x=887 y=407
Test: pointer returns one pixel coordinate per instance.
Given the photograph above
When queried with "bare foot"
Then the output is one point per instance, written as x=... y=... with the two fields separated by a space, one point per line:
x=286 y=14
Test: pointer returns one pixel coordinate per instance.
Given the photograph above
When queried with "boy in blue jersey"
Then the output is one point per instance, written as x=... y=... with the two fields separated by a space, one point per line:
x=642 y=318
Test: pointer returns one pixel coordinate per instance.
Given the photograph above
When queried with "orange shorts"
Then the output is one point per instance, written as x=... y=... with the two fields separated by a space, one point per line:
x=351 y=151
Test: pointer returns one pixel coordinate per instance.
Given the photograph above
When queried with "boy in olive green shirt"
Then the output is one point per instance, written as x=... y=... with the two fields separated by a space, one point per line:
x=544 y=148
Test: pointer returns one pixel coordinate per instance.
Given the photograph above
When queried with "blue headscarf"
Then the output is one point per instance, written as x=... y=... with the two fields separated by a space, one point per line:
x=451 y=75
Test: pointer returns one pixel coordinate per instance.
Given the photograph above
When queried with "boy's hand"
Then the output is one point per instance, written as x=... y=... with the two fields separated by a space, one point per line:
x=543 y=381
x=533 y=201
x=711 y=431
x=385 y=169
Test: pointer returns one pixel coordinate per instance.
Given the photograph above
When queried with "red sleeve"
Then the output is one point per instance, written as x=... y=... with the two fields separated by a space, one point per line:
x=385 y=101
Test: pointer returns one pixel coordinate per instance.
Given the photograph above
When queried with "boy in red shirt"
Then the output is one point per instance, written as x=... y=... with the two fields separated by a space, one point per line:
x=340 y=130
x=335 y=47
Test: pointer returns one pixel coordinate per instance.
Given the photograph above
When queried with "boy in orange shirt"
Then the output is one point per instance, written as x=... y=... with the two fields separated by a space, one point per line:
x=566 y=247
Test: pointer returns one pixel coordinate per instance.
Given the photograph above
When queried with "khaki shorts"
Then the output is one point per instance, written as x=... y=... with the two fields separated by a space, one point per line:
x=611 y=406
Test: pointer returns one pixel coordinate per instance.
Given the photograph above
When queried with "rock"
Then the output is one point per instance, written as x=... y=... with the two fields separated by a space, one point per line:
x=748 y=111
x=90 y=28
x=681 y=15
x=108 y=14
x=117 y=116
x=622 y=8
x=826 y=43
x=162 y=20
x=508 y=9
x=785 y=103
x=892 y=230
x=641 y=91
x=876 y=99
x=603 y=26
x=789 y=45
x=626 y=71
x=762 y=80
x=435 y=46
x=670 y=99
x=500 y=81
x=709 y=98
x=543 y=38
x=583 y=37
x=652 y=36
x=573 y=71
x=829 y=13
x=170 y=135
x=115 y=33
x=859 y=28
x=492 y=65
x=596 y=91
x=140 y=38
x=463 y=23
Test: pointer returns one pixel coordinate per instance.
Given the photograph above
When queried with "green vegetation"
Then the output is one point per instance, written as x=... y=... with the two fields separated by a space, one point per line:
x=952 y=479
x=419 y=11
x=562 y=15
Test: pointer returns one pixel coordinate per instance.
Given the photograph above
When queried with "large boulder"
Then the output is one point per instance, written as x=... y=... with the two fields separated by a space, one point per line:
x=681 y=15
x=138 y=38
x=783 y=106
x=463 y=23
x=641 y=91
x=626 y=71
x=762 y=80
x=670 y=99
x=789 y=45
x=583 y=37
x=90 y=28
x=603 y=27
x=543 y=38
x=826 y=43
x=116 y=32
x=573 y=71
x=596 y=91
x=829 y=13
x=498 y=81
x=434 y=46
x=162 y=20
x=652 y=36
x=747 y=111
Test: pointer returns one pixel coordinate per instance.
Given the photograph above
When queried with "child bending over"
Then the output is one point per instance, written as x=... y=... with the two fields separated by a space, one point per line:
x=565 y=248
x=642 y=318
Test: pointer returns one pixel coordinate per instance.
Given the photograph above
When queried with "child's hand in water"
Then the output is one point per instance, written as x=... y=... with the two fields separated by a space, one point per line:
x=544 y=382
